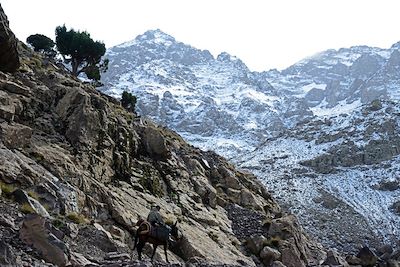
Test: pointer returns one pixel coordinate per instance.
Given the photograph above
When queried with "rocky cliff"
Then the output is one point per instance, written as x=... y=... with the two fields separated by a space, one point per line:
x=9 y=61
x=77 y=169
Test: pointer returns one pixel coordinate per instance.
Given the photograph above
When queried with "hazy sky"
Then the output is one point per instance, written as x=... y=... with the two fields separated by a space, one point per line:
x=263 y=33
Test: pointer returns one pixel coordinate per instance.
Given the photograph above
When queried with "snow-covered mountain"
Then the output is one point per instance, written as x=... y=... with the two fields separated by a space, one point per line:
x=215 y=103
x=312 y=132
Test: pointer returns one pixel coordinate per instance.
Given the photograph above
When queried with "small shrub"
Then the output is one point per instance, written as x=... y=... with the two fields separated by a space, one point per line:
x=273 y=242
x=59 y=222
x=33 y=194
x=7 y=189
x=169 y=221
x=128 y=101
x=27 y=208
x=77 y=218
x=376 y=105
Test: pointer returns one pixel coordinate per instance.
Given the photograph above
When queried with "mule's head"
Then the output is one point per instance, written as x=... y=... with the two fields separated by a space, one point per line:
x=175 y=232
x=140 y=221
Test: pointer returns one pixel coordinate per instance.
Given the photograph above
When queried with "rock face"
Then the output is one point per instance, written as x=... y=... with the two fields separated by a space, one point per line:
x=94 y=167
x=34 y=232
x=9 y=61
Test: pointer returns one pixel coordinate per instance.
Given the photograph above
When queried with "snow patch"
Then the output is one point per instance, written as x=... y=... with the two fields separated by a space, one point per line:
x=341 y=108
x=309 y=87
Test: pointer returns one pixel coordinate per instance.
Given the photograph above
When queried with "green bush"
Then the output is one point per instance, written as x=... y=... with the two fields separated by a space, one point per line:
x=128 y=101
x=77 y=218
x=33 y=194
x=27 y=208
x=7 y=189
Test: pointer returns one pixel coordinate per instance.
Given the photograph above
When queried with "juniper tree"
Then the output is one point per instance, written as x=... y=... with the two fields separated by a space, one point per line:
x=128 y=101
x=41 y=43
x=84 y=54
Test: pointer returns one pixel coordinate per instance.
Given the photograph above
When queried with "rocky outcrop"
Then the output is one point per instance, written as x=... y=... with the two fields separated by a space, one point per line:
x=91 y=168
x=9 y=61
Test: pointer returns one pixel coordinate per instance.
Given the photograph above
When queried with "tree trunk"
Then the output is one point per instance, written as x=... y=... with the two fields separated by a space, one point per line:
x=75 y=65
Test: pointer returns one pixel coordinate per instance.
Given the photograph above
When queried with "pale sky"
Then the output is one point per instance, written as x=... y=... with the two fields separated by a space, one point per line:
x=265 y=34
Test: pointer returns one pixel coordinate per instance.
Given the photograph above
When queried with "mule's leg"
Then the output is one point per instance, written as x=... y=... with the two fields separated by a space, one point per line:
x=135 y=241
x=140 y=246
x=165 y=251
x=154 y=251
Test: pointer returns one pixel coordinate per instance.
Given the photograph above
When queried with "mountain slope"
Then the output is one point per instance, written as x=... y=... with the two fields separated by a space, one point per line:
x=342 y=170
x=274 y=118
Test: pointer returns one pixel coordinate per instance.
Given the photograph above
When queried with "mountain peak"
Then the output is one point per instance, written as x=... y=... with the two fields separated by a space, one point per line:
x=151 y=36
x=156 y=35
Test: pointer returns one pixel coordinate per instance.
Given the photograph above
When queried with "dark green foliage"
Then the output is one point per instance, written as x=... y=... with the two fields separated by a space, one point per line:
x=128 y=101
x=84 y=54
x=41 y=43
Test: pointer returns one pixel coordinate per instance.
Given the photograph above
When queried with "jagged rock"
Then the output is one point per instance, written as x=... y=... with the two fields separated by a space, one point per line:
x=291 y=256
x=117 y=233
x=367 y=257
x=15 y=88
x=7 y=107
x=333 y=258
x=9 y=60
x=353 y=260
x=395 y=207
x=206 y=191
x=15 y=135
x=96 y=235
x=102 y=230
x=154 y=142
x=268 y=255
x=247 y=199
x=393 y=263
x=7 y=257
x=34 y=233
x=22 y=197
x=78 y=260
x=385 y=249
x=256 y=244
x=113 y=256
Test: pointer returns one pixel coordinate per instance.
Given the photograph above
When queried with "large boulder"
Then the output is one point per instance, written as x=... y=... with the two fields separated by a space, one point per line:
x=35 y=233
x=334 y=259
x=268 y=255
x=9 y=60
x=155 y=143
x=15 y=135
